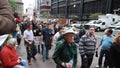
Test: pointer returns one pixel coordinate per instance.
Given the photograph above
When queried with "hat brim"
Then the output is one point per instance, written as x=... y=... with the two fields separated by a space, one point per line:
x=69 y=33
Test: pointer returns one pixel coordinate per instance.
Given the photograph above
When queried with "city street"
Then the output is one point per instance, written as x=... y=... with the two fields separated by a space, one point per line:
x=50 y=63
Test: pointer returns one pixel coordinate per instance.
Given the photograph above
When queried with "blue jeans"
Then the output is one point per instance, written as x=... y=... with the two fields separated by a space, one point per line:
x=44 y=52
x=23 y=64
x=14 y=34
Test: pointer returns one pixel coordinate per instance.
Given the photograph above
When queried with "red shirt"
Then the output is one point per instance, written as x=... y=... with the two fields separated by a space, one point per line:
x=8 y=57
x=18 y=20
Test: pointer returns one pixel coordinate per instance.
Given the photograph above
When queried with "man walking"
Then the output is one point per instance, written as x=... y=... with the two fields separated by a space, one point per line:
x=48 y=41
x=65 y=55
x=87 y=48
x=29 y=42
x=105 y=44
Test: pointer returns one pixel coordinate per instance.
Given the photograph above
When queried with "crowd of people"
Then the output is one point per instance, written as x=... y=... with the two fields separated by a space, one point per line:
x=39 y=38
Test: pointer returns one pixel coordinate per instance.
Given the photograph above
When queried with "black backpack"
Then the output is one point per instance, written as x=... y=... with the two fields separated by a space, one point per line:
x=82 y=31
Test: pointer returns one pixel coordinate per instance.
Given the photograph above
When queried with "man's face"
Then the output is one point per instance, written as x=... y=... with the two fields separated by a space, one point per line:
x=69 y=37
x=91 y=31
x=30 y=27
x=48 y=25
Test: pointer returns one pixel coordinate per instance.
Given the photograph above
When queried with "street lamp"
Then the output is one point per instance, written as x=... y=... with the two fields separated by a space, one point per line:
x=74 y=5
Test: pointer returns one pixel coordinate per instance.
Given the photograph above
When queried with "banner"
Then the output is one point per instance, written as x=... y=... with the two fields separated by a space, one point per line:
x=3 y=38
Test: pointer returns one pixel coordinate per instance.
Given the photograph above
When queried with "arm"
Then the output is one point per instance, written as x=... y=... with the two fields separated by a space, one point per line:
x=56 y=55
x=7 y=24
x=6 y=59
x=99 y=44
x=81 y=46
x=75 y=59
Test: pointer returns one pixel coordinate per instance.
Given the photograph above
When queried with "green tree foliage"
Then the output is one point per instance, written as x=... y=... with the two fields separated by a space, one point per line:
x=13 y=5
x=94 y=15
x=46 y=14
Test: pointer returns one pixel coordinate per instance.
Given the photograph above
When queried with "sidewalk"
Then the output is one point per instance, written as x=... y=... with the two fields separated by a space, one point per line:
x=48 y=63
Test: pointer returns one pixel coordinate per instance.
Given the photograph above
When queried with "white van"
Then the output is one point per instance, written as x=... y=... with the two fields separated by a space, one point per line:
x=105 y=21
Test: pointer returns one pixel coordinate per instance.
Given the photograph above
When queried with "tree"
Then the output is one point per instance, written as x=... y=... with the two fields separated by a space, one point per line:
x=94 y=15
x=13 y=5
x=46 y=14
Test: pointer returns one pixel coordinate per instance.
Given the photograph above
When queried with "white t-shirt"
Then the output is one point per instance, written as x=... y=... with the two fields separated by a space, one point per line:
x=29 y=35
x=56 y=36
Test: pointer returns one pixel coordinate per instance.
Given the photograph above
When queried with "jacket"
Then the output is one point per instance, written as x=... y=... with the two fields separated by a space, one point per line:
x=115 y=54
x=7 y=24
x=8 y=57
x=65 y=53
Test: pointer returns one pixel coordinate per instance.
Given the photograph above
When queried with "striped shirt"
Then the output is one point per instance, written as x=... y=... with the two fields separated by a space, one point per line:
x=87 y=45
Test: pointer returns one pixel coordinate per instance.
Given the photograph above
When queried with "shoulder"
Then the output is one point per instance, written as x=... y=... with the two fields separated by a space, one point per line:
x=61 y=42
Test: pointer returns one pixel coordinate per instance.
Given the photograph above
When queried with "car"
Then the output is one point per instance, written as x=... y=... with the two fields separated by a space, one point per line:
x=116 y=30
x=115 y=25
x=86 y=26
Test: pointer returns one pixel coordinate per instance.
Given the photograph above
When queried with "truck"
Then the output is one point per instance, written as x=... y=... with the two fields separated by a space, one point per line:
x=105 y=21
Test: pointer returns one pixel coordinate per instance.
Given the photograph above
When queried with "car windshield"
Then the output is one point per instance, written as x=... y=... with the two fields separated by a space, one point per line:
x=118 y=24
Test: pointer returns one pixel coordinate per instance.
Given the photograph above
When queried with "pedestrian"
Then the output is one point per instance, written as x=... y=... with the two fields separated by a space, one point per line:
x=58 y=34
x=38 y=37
x=65 y=54
x=29 y=42
x=82 y=31
x=48 y=40
x=105 y=43
x=6 y=17
x=87 y=47
x=9 y=57
x=115 y=51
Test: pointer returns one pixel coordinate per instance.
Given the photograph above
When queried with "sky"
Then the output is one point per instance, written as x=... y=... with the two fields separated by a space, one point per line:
x=28 y=3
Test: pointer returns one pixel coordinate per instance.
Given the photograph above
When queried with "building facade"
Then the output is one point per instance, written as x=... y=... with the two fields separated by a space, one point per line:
x=82 y=8
x=19 y=7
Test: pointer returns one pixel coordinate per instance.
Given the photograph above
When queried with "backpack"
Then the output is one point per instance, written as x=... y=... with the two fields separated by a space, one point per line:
x=81 y=32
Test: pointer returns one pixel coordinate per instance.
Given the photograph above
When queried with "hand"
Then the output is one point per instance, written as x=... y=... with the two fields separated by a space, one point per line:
x=63 y=64
x=18 y=60
x=42 y=43
x=30 y=43
x=68 y=65
x=97 y=48
x=52 y=44
x=85 y=56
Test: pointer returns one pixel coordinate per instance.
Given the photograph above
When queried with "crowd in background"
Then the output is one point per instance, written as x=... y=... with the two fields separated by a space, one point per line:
x=66 y=39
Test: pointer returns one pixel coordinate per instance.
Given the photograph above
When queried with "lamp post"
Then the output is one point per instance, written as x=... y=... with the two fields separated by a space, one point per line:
x=67 y=10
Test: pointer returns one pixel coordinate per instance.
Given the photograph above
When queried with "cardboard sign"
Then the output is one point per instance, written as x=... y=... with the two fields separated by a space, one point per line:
x=62 y=21
x=3 y=38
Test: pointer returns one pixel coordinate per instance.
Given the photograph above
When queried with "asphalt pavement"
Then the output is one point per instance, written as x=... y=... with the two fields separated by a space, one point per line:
x=50 y=63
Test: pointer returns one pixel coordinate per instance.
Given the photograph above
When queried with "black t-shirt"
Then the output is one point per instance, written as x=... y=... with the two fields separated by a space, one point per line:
x=37 y=32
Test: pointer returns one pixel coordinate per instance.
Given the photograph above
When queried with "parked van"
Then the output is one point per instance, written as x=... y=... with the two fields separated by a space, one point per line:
x=105 y=21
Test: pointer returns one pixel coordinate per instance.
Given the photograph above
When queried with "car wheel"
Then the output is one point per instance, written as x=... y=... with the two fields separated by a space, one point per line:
x=98 y=29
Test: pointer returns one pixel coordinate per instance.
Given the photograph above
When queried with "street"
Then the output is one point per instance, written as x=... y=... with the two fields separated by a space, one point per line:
x=50 y=63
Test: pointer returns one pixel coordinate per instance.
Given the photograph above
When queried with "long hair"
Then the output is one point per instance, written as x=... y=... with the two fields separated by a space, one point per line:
x=116 y=39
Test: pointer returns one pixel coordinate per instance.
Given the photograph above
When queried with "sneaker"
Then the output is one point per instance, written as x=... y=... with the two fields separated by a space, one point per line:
x=29 y=62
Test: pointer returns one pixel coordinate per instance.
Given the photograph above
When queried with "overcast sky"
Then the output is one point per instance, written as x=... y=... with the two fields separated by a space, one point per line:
x=28 y=3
